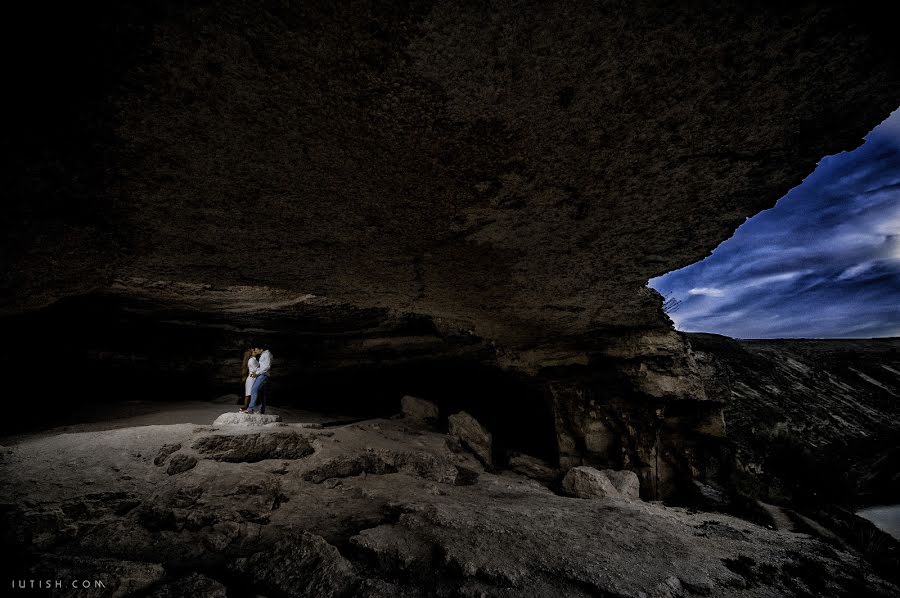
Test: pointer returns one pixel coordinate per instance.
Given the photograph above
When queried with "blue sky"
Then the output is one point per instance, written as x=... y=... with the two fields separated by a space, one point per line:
x=823 y=263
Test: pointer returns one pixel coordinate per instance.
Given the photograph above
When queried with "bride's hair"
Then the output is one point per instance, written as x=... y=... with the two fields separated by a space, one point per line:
x=245 y=369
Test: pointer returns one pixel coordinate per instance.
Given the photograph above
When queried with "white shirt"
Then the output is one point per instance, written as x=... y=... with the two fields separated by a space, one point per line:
x=265 y=363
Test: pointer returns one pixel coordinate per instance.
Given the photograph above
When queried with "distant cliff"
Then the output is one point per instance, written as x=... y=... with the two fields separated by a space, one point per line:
x=811 y=420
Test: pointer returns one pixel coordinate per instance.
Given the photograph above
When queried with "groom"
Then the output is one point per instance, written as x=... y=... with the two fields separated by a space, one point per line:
x=262 y=376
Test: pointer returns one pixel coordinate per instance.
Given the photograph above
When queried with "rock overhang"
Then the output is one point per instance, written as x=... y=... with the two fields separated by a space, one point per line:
x=516 y=171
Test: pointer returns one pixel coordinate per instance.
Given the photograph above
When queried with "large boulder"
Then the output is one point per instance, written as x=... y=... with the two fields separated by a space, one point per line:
x=626 y=482
x=236 y=418
x=473 y=436
x=587 y=482
x=417 y=408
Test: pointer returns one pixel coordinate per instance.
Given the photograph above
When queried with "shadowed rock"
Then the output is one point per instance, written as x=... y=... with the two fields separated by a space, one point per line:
x=305 y=565
x=194 y=585
x=249 y=448
x=119 y=577
x=416 y=408
x=181 y=463
x=164 y=453
x=533 y=467
x=473 y=436
x=379 y=462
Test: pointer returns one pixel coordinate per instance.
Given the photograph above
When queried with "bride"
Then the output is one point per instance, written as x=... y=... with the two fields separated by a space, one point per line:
x=249 y=367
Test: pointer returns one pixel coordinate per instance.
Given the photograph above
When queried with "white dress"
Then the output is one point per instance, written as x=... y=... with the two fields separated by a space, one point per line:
x=253 y=365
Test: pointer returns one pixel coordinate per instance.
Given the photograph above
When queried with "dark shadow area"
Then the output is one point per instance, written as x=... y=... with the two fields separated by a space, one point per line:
x=82 y=353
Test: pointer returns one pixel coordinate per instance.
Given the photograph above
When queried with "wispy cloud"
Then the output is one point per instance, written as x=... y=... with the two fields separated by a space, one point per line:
x=855 y=271
x=824 y=262
x=708 y=291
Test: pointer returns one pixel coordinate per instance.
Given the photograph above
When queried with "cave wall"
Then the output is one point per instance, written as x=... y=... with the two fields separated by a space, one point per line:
x=636 y=404
x=84 y=352
x=640 y=405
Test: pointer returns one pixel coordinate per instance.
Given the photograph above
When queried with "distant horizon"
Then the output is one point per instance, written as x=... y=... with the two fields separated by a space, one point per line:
x=797 y=338
x=824 y=263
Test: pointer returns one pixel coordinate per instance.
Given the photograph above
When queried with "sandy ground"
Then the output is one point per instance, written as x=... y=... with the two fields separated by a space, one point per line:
x=127 y=414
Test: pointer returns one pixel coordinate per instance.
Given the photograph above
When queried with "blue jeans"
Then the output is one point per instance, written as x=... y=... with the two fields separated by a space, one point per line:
x=254 y=393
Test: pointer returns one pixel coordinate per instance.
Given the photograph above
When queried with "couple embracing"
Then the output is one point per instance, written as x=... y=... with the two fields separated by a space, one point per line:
x=256 y=368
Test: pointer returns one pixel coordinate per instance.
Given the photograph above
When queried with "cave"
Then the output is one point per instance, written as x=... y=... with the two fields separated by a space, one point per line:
x=343 y=362
x=457 y=202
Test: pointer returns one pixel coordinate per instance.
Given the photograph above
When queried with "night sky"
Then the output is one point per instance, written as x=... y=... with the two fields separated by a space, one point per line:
x=823 y=263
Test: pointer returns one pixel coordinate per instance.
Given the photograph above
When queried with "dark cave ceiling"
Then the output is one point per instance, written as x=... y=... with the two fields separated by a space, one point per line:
x=516 y=169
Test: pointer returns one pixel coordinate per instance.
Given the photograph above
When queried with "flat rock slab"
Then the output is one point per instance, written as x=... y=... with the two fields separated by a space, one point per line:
x=245 y=419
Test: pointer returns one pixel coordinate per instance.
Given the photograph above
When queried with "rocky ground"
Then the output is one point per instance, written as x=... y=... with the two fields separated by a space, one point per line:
x=385 y=507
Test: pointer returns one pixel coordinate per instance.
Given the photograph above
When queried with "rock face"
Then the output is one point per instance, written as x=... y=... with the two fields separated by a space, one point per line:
x=418 y=408
x=473 y=436
x=246 y=419
x=587 y=482
x=309 y=526
x=640 y=405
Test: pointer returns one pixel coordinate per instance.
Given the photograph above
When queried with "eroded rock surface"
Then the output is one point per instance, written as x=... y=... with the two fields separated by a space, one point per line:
x=249 y=448
x=246 y=419
x=268 y=527
x=305 y=565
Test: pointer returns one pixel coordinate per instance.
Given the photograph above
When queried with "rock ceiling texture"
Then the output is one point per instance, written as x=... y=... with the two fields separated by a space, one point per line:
x=520 y=169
